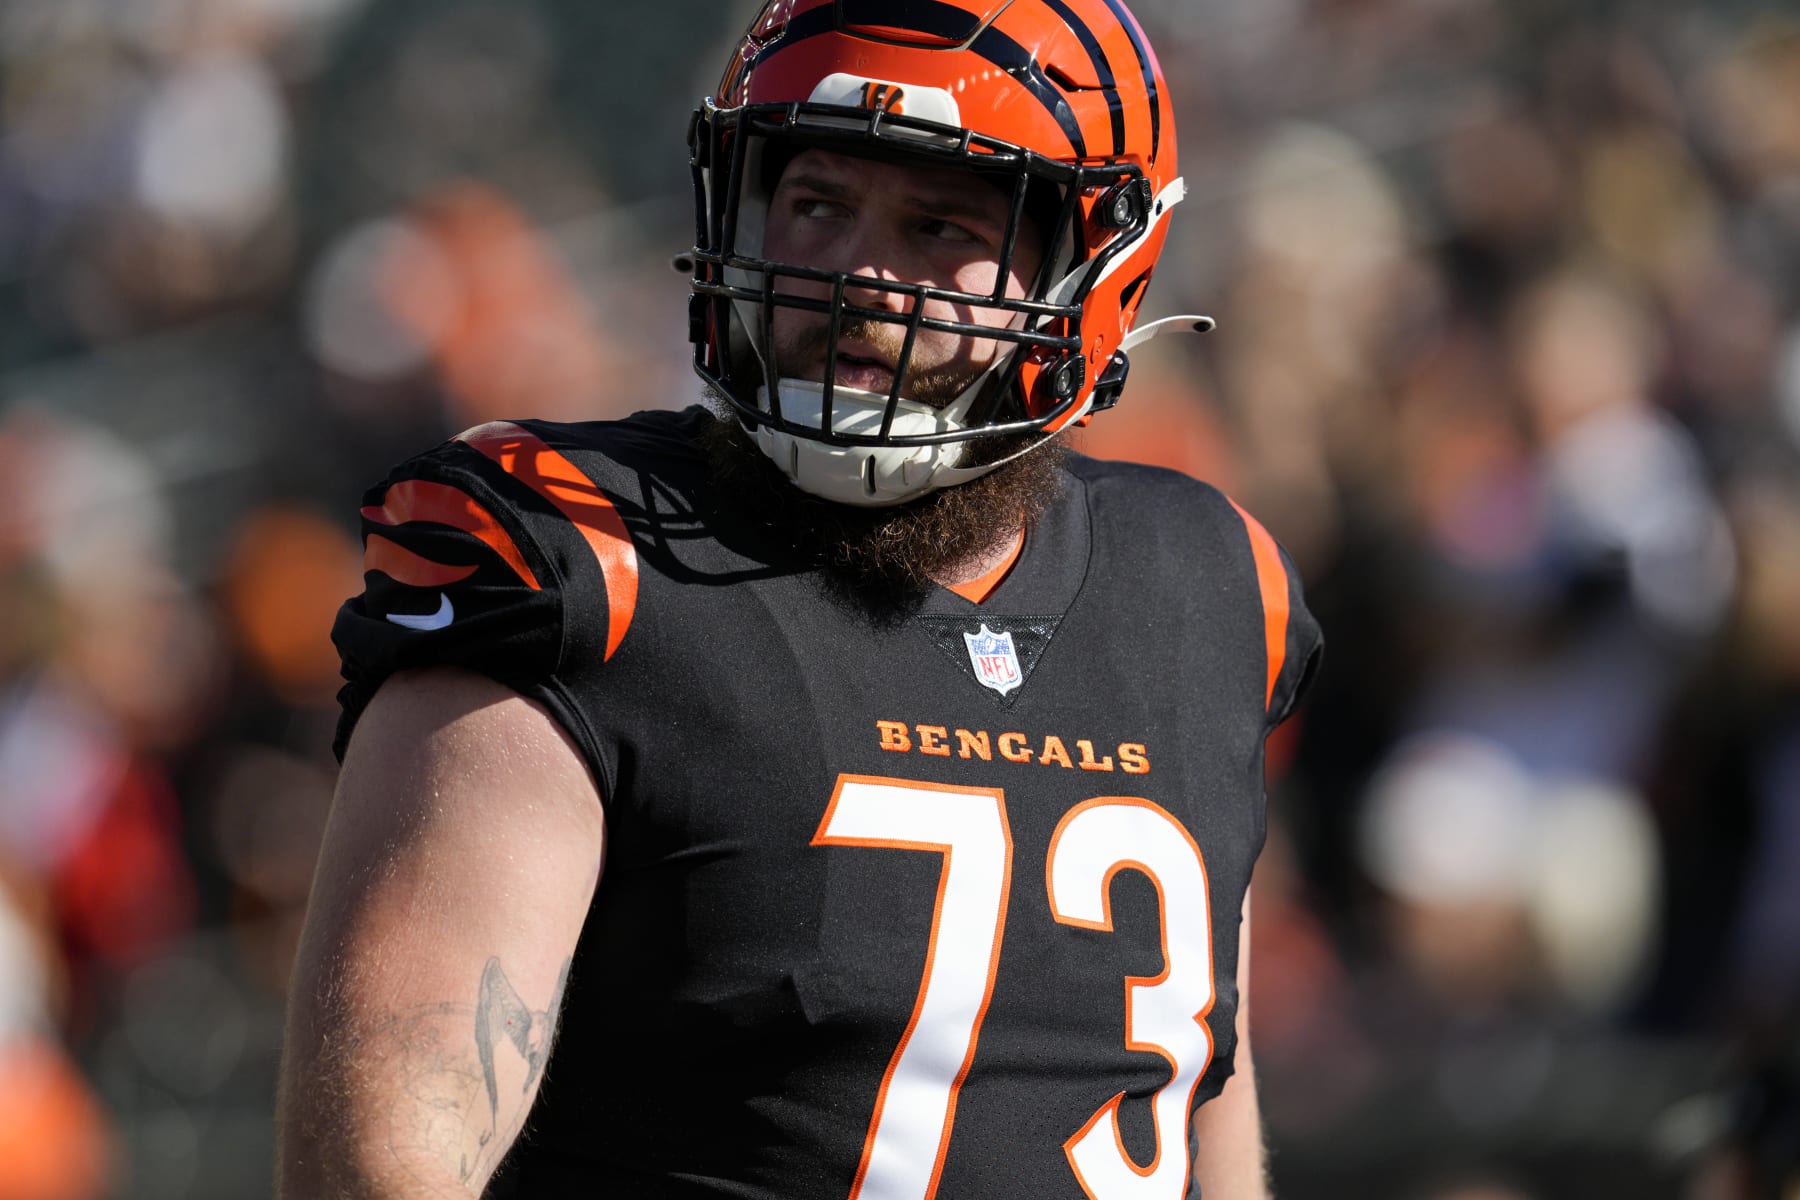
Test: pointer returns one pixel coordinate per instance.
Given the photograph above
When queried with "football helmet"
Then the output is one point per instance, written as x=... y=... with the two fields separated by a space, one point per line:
x=1059 y=103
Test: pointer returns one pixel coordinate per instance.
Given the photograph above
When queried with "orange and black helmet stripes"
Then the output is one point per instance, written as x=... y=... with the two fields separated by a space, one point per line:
x=1054 y=51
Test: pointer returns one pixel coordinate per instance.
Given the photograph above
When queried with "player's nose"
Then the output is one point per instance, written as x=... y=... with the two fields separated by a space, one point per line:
x=871 y=252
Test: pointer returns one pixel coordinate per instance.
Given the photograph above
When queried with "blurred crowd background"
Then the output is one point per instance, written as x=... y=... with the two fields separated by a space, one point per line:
x=1509 y=359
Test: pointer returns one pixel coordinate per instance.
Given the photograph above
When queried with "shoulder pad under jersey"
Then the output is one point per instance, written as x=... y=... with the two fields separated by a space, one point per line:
x=492 y=552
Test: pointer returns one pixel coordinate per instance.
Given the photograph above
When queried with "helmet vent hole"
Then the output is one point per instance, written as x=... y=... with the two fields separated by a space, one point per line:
x=868 y=475
x=878 y=21
x=1130 y=295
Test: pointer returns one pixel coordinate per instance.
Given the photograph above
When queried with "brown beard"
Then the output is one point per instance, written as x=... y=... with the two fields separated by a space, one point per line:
x=898 y=551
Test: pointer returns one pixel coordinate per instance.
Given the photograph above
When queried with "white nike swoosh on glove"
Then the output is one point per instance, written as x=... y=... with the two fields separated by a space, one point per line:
x=426 y=622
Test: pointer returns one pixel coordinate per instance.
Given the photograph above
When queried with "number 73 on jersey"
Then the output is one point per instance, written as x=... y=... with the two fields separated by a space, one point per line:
x=909 y=1131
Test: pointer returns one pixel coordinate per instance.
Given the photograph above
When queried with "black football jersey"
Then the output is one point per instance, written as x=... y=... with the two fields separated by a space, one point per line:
x=940 y=901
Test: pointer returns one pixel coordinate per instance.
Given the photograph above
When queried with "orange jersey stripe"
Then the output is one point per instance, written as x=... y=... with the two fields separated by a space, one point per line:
x=1272 y=579
x=398 y=563
x=524 y=456
x=441 y=504
x=977 y=590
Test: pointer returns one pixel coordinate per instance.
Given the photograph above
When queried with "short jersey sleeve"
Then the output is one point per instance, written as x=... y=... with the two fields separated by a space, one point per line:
x=451 y=577
x=1304 y=648
x=1293 y=643
x=485 y=554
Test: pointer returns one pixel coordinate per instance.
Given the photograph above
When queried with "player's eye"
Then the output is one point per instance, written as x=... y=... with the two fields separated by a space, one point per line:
x=817 y=209
x=950 y=231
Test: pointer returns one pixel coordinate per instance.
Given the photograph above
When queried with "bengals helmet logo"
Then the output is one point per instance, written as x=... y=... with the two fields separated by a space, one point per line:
x=884 y=96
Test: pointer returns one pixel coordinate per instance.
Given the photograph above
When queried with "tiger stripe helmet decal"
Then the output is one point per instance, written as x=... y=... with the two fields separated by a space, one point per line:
x=1085 y=64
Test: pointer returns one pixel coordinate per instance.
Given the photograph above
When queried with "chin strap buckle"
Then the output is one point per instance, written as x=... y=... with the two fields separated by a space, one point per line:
x=1110 y=383
x=1112 y=380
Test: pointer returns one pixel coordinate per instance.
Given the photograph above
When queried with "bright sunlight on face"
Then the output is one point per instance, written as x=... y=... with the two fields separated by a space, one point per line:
x=902 y=224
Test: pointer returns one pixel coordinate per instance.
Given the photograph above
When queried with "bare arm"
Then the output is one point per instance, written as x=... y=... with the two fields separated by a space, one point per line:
x=458 y=864
x=1229 y=1161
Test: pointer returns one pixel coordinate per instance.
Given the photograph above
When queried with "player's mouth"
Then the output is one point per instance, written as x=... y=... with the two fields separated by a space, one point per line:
x=859 y=371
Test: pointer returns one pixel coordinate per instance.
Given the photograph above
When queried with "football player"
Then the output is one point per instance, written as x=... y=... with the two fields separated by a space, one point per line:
x=849 y=793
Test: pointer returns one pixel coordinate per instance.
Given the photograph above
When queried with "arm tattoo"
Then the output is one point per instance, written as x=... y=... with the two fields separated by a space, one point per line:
x=501 y=1015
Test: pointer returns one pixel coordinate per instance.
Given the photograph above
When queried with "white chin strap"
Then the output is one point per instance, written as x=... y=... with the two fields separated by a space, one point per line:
x=878 y=476
x=866 y=476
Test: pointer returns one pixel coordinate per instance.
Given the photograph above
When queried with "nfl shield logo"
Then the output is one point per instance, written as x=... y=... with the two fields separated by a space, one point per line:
x=995 y=661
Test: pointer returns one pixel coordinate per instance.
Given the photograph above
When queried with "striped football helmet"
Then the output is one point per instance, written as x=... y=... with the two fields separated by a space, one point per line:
x=1059 y=103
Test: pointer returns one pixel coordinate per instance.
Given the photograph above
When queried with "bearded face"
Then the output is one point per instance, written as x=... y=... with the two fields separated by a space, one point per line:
x=914 y=225
x=943 y=229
